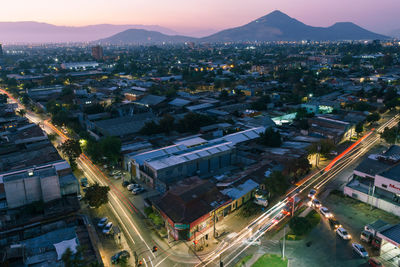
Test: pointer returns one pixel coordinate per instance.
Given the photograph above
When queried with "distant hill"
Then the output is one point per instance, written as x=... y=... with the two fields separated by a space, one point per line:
x=278 y=26
x=136 y=36
x=36 y=32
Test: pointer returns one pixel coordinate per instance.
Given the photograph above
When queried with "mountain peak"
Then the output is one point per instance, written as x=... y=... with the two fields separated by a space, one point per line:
x=276 y=14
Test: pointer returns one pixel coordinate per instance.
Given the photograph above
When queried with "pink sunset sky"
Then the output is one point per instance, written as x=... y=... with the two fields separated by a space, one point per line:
x=193 y=15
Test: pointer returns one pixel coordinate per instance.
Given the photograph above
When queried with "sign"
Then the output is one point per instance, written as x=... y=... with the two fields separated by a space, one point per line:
x=181 y=226
x=394 y=187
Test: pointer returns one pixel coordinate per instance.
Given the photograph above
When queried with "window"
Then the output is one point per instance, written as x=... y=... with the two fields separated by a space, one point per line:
x=384 y=186
x=354 y=195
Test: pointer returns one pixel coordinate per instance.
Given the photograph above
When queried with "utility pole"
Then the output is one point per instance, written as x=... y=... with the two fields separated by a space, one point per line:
x=214 y=223
x=284 y=237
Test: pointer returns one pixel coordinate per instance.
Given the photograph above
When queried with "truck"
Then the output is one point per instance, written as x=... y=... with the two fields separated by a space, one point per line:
x=260 y=198
x=369 y=234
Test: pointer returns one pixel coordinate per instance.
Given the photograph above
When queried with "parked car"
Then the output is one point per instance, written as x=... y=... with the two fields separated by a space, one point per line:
x=312 y=193
x=324 y=211
x=334 y=223
x=125 y=183
x=102 y=222
x=137 y=190
x=315 y=203
x=374 y=262
x=366 y=236
x=360 y=250
x=116 y=258
x=107 y=228
x=343 y=233
x=130 y=187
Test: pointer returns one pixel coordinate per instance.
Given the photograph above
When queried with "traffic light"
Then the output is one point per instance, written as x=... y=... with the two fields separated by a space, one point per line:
x=155 y=248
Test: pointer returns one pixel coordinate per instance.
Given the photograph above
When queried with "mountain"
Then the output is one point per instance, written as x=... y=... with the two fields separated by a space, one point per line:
x=137 y=36
x=278 y=26
x=36 y=32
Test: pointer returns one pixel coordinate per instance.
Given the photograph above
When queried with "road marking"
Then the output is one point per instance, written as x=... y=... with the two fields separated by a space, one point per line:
x=162 y=260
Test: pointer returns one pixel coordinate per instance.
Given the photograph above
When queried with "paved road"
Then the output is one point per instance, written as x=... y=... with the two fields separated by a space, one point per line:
x=142 y=240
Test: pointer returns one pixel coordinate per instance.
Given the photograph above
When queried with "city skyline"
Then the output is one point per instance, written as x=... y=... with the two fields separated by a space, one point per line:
x=205 y=17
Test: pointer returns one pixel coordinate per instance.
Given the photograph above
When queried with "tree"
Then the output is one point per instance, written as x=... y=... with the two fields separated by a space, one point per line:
x=359 y=128
x=277 y=183
x=324 y=147
x=71 y=148
x=373 y=117
x=3 y=98
x=166 y=124
x=96 y=195
x=299 y=167
x=271 y=138
x=111 y=148
x=76 y=259
x=390 y=135
x=300 y=225
x=21 y=112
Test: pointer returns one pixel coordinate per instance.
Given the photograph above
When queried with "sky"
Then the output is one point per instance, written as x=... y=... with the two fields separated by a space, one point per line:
x=186 y=16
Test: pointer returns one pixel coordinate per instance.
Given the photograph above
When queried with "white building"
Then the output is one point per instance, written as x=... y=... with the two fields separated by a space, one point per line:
x=376 y=181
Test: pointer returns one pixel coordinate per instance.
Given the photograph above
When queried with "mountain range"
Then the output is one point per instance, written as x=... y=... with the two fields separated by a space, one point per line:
x=275 y=26
x=36 y=32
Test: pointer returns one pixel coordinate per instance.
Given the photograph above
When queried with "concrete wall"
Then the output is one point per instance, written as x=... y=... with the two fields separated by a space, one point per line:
x=374 y=201
x=15 y=193
x=50 y=188
x=33 y=191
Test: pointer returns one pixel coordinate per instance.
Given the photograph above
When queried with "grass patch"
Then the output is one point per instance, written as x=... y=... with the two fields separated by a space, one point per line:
x=270 y=260
x=243 y=261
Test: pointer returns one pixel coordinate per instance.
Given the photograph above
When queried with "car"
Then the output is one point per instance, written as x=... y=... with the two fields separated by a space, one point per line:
x=107 y=228
x=117 y=176
x=315 y=203
x=102 y=222
x=116 y=258
x=130 y=187
x=334 y=223
x=343 y=233
x=137 y=190
x=360 y=250
x=324 y=211
x=125 y=183
x=312 y=193
x=374 y=262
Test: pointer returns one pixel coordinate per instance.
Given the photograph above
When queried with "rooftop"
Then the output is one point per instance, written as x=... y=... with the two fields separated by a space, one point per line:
x=190 y=199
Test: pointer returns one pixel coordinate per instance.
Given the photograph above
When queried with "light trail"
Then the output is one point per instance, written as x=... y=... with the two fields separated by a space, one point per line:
x=347 y=150
x=348 y=161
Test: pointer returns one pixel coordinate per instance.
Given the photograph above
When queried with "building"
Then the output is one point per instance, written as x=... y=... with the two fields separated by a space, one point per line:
x=30 y=186
x=1 y=50
x=79 y=65
x=189 y=208
x=333 y=129
x=164 y=166
x=240 y=193
x=376 y=181
x=97 y=52
x=46 y=92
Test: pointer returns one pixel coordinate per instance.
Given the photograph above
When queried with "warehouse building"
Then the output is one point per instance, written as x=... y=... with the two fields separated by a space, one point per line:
x=162 y=167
